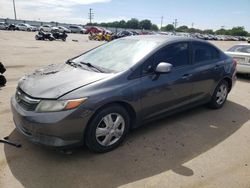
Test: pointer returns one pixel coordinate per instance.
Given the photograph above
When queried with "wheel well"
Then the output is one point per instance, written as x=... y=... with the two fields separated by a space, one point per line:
x=229 y=81
x=126 y=106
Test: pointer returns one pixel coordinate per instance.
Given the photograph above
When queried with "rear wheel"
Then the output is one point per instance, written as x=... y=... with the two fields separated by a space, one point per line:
x=107 y=129
x=220 y=95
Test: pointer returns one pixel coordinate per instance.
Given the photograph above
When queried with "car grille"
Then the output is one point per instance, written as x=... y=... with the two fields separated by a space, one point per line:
x=26 y=102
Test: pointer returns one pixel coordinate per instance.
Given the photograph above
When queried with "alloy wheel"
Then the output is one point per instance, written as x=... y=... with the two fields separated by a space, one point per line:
x=221 y=94
x=110 y=129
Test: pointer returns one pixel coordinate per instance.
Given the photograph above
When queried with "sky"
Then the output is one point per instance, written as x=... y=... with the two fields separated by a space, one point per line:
x=203 y=14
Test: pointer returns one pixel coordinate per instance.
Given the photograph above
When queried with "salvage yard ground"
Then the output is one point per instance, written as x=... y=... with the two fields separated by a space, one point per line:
x=197 y=148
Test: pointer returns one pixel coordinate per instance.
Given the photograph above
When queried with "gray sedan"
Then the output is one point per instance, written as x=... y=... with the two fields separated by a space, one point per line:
x=99 y=96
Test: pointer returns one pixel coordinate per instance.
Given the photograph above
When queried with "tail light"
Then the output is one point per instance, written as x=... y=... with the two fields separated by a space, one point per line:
x=234 y=63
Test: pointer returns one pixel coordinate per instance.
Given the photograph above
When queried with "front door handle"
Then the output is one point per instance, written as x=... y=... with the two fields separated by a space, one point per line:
x=186 y=76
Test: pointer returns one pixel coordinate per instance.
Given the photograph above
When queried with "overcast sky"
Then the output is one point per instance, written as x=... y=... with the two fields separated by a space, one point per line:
x=205 y=14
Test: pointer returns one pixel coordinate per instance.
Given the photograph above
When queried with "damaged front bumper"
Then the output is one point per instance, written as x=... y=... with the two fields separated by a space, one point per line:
x=54 y=129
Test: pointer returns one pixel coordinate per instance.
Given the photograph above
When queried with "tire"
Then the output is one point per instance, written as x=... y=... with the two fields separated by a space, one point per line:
x=110 y=137
x=2 y=80
x=220 y=95
x=29 y=29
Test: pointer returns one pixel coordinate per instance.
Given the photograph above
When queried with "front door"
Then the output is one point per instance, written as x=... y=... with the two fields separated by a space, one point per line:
x=165 y=92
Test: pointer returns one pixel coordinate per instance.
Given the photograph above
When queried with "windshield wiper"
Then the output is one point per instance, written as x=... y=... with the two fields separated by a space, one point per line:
x=92 y=66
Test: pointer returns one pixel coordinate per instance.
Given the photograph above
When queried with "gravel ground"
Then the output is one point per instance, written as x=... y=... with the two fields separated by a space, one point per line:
x=197 y=148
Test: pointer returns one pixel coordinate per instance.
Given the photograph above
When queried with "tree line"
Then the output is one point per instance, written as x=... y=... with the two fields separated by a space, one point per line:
x=235 y=31
x=146 y=24
x=130 y=24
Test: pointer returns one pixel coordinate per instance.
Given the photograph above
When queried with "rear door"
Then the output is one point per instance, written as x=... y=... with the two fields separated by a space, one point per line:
x=208 y=69
x=165 y=92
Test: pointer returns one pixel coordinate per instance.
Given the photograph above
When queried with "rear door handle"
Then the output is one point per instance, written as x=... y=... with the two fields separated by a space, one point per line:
x=186 y=76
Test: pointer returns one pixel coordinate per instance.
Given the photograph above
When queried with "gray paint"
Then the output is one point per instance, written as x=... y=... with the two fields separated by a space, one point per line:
x=150 y=96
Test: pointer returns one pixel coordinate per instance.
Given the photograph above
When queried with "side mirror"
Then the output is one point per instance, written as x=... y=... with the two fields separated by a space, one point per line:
x=163 y=67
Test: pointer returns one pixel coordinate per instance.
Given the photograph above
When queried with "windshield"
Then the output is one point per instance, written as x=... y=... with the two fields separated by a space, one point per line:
x=118 y=55
x=240 y=48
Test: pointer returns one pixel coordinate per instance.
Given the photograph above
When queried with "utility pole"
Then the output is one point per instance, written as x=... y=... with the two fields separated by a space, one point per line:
x=175 y=23
x=161 y=21
x=14 y=6
x=192 y=25
x=91 y=15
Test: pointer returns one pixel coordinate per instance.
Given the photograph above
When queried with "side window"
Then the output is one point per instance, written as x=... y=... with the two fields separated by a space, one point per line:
x=203 y=53
x=176 y=54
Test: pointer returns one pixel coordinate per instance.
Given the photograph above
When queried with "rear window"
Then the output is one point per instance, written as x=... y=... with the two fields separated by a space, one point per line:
x=240 y=48
x=203 y=53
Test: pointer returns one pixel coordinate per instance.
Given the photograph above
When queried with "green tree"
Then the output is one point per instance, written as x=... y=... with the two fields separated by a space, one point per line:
x=169 y=27
x=208 y=31
x=132 y=23
x=238 y=31
x=154 y=27
x=222 y=32
x=183 y=28
x=145 y=24
x=122 y=24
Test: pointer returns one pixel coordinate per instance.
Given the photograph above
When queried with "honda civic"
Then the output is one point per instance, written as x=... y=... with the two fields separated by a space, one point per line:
x=97 y=97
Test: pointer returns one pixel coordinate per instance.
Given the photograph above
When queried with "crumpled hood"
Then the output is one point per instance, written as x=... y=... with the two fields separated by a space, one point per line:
x=53 y=81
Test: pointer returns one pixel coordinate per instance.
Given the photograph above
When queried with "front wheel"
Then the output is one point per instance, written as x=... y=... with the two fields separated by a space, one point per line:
x=220 y=95
x=107 y=129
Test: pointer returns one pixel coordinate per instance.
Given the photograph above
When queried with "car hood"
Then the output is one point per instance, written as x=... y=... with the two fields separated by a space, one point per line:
x=54 y=81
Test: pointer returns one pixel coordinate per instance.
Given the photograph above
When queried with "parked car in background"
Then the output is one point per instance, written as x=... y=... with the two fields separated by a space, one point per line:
x=11 y=27
x=63 y=29
x=77 y=29
x=135 y=32
x=98 y=96
x=93 y=29
x=122 y=34
x=25 y=27
x=48 y=28
x=241 y=53
x=248 y=40
x=3 y=26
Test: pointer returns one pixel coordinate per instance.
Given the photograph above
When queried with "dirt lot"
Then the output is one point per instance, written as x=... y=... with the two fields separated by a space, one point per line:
x=198 y=148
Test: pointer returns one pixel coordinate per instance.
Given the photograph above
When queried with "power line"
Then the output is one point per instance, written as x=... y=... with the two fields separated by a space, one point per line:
x=91 y=15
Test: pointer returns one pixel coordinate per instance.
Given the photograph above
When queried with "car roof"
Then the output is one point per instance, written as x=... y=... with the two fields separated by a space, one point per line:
x=164 y=38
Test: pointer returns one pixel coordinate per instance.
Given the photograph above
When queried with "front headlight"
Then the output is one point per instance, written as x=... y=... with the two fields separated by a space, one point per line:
x=59 y=105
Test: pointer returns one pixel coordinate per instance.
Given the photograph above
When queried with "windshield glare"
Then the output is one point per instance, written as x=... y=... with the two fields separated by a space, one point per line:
x=240 y=48
x=118 y=55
